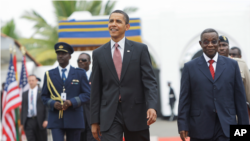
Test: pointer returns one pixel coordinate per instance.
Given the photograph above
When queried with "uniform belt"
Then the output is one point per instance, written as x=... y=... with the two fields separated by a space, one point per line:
x=32 y=117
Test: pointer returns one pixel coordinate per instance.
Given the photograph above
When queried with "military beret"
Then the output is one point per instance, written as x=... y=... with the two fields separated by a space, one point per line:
x=61 y=46
x=224 y=39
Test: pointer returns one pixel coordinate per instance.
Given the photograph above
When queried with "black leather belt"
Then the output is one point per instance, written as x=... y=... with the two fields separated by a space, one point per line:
x=32 y=117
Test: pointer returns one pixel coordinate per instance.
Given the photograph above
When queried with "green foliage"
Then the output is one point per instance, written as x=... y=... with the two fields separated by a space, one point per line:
x=9 y=29
x=48 y=37
x=43 y=47
x=109 y=7
x=64 y=9
x=130 y=9
x=94 y=7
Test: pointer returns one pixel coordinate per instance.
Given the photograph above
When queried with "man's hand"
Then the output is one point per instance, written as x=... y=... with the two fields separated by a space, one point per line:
x=183 y=135
x=151 y=116
x=66 y=104
x=58 y=105
x=45 y=123
x=95 y=128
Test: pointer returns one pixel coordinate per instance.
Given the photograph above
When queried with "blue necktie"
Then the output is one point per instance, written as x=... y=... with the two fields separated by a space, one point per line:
x=32 y=111
x=63 y=75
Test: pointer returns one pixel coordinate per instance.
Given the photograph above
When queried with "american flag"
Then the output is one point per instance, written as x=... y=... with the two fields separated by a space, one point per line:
x=23 y=85
x=11 y=100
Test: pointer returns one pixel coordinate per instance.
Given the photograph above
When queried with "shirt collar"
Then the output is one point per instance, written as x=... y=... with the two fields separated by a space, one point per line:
x=121 y=43
x=67 y=67
x=207 y=58
x=34 y=89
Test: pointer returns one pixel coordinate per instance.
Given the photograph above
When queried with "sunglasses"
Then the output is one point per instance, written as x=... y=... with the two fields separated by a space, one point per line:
x=233 y=54
x=206 y=42
x=82 y=60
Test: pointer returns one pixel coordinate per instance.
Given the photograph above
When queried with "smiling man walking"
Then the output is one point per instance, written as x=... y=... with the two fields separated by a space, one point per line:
x=124 y=89
x=212 y=94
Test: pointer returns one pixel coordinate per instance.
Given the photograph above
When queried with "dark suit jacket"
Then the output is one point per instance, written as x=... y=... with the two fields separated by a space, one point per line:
x=137 y=86
x=201 y=97
x=86 y=110
x=40 y=108
x=78 y=93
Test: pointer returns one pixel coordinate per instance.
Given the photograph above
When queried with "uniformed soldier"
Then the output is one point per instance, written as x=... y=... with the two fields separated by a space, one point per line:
x=65 y=90
x=235 y=53
x=224 y=50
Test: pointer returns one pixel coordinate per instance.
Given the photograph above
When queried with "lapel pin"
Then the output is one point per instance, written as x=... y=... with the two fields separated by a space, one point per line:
x=128 y=50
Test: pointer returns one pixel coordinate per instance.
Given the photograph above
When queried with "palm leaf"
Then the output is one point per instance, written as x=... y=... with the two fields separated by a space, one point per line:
x=50 y=55
x=64 y=9
x=9 y=29
x=44 y=46
x=94 y=7
x=82 y=5
x=109 y=6
x=130 y=9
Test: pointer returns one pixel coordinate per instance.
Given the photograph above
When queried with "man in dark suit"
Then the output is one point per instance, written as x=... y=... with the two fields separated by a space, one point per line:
x=65 y=90
x=124 y=89
x=83 y=61
x=33 y=113
x=212 y=94
x=171 y=101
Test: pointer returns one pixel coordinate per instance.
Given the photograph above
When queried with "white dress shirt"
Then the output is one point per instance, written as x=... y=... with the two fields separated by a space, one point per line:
x=121 y=46
x=215 y=60
x=88 y=73
x=34 y=101
x=66 y=72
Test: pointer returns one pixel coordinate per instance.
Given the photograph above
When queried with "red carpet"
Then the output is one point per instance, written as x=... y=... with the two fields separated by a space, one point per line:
x=171 y=139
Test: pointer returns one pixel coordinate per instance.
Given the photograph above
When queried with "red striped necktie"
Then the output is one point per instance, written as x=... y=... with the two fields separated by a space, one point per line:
x=211 y=68
x=117 y=59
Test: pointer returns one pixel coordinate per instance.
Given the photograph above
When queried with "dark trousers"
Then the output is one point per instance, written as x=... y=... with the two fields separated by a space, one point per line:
x=86 y=135
x=71 y=134
x=33 y=132
x=118 y=127
x=172 y=107
x=218 y=133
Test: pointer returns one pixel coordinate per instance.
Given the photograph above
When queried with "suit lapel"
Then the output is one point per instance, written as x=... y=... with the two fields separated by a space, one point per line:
x=26 y=96
x=37 y=98
x=26 y=101
x=38 y=94
x=204 y=68
x=70 y=76
x=57 y=76
x=220 y=67
x=109 y=60
x=126 y=57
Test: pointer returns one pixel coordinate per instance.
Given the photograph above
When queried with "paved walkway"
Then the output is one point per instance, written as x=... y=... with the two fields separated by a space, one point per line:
x=161 y=130
x=164 y=128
